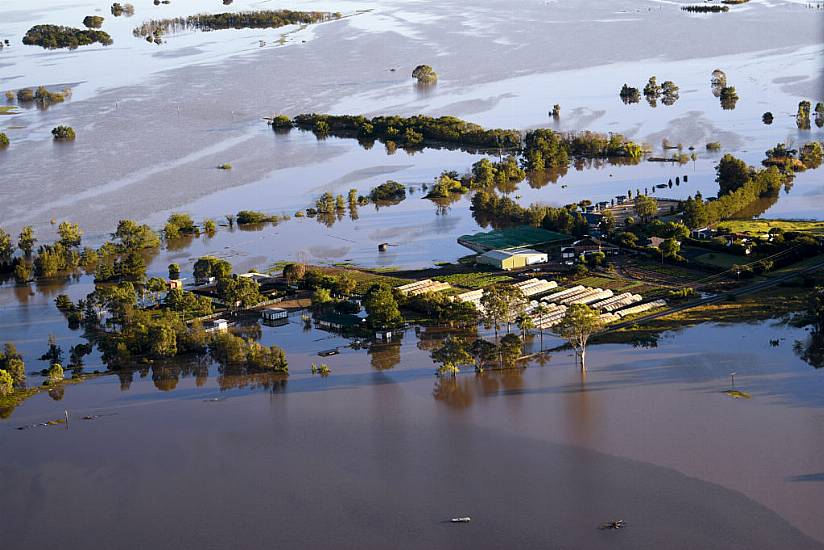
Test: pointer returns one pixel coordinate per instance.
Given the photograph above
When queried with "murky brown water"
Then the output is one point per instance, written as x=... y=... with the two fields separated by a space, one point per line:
x=376 y=458
x=380 y=454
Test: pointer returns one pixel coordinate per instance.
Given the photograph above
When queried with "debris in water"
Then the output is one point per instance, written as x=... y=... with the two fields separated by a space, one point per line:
x=466 y=519
x=43 y=424
x=618 y=524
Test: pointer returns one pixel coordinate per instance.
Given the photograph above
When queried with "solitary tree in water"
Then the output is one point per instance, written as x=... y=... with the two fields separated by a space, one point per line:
x=579 y=323
x=451 y=355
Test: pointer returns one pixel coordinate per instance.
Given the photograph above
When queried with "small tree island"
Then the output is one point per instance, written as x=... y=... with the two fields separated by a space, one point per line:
x=425 y=74
x=53 y=37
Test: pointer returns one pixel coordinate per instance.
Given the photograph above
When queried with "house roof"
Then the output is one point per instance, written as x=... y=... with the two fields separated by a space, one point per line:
x=504 y=254
x=592 y=241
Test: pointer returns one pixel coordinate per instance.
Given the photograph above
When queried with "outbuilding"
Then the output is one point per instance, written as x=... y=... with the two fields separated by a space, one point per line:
x=512 y=259
x=274 y=315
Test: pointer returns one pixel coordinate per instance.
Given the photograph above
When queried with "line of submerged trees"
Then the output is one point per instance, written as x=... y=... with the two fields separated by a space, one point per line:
x=540 y=149
x=262 y=19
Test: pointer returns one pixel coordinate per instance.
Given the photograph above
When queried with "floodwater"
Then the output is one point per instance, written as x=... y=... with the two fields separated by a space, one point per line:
x=381 y=453
x=151 y=137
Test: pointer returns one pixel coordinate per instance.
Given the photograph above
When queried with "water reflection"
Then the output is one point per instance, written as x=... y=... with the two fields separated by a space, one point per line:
x=461 y=392
x=811 y=350
x=384 y=356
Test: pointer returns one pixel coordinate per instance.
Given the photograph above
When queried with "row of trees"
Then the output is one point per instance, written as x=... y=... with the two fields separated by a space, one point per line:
x=260 y=19
x=739 y=186
x=577 y=327
x=545 y=149
x=413 y=131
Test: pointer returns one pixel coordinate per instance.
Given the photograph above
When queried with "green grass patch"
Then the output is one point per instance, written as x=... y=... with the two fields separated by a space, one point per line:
x=722 y=260
x=762 y=227
x=473 y=280
x=8 y=110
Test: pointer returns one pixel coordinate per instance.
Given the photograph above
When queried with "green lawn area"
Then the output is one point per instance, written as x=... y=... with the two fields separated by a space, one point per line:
x=722 y=260
x=762 y=227
x=473 y=280
x=616 y=284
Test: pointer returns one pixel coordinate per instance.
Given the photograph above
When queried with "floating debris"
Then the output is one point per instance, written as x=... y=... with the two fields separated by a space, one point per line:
x=617 y=524
x=736 y=394
x=57 y=422
x=465 y=519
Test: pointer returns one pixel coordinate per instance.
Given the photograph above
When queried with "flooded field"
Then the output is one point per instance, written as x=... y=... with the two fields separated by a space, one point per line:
x=381 y=453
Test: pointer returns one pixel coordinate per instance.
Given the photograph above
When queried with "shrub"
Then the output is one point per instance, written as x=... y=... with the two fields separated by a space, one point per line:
x=728 y=97
x=389 y=191
x=251 y=216
x=281 y=122
x=119 y=9
x=225 y=166
x=4 y=140
x=93 y=21
x=179 y=223
x=63 y=133
x=53 y=37
x=629 y=94
x=25 y=95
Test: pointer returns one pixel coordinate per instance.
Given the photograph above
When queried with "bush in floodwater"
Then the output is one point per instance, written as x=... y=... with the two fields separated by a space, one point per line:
x=767 y=118
x=25 y=95
x=55 y=36
x=322 y=369
x=225 y=166
x=802 y=118
x=714 y=146
x=729 y=97
x=389 y=191
x=246 y=217
x=10 y=95
x=670 y=91
x=629 y=94
x=46 y=98
x=63 y=133
x=4 y=140
x=425 y=74
x=55 y=373
x=281 y=122
x=93 y=21
x=119 y=9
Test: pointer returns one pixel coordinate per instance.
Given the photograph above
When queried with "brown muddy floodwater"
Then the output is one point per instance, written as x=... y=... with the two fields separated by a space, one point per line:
x=380 y=454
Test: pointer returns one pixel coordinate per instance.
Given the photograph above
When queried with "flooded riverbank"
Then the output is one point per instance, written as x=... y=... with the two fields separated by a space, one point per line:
x=382 y=457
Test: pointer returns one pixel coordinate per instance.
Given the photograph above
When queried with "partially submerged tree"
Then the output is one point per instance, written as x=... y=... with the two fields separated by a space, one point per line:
x=382 y=308
x=579 y=323
x=451 y=355
x=425 y=74
x=502 y=304
x=63 y=133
